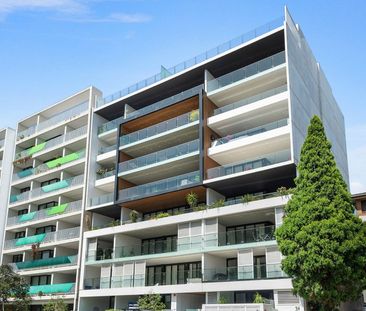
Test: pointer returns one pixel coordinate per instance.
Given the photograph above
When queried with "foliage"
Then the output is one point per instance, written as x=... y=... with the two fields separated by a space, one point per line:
x=192 y=199
x=114 y=223
x=162 y=215
x=283 y=191
x=218 y=203
x=324 y=243
x=151 y=302
x=13 y=286
x=55 y=305
x=200 y=207
x=258 y=298
x=246 y=198
x=134 y=215
x=222 y=300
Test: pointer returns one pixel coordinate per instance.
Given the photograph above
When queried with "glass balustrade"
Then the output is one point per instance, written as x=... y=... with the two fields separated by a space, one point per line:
x=102 y=199
x=159 y=156
x=261 y=161
x=104 y=174
x=159 y=128
x=60 y=235
x=250 y=132
x=64 y=208
x=50 y=165
x=247 y=71
x=61 y=117
x=250 y=100
x=42 y=191
x=193 y=61
x=109 y=126
x=52 y=143
x=106 y=149
x=159 y=186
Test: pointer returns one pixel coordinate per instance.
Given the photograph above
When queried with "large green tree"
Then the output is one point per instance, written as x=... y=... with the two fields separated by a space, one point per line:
x=151 y=302
x=13 y=289
x=323 y=241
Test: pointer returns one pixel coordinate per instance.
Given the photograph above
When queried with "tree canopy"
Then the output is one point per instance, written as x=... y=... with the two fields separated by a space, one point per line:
x=151 y=302
x=13 y=289
x=55 y=305
x=323 y=241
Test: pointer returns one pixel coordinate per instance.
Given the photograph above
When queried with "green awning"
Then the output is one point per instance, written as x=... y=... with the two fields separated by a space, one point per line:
x=51 y=289
x=27 y=217
x=43 y=262
x=25 y=173
x=30 y=239
x=36 y=148
x=71 y=157
x=55 y=186
x=59 y=209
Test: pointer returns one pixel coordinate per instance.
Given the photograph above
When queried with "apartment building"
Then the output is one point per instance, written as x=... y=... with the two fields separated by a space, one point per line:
x=170 y=186
x=48 y=173
x=224 y=130
x=7 y=136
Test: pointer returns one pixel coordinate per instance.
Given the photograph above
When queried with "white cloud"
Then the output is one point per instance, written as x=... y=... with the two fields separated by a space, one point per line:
x=70 y=6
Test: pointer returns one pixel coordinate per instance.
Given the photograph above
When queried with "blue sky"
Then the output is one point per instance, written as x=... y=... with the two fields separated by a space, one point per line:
x=53 y=48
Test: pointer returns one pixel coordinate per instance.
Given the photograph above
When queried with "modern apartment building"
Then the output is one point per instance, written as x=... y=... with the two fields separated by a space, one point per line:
x=170 y=186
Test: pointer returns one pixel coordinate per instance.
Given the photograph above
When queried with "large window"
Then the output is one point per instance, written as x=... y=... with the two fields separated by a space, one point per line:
x=159 y=245
x=46 y=229
x=172 y=274
x=47 y=205
x=40 y=280
x=18 y=258
x=48 y=253
x=248 y=233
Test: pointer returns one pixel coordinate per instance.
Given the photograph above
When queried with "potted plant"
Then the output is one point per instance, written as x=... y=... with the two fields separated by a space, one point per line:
x=192 y=199
x=218 y=203
x=134 y=215
x=283 y=191
x=246 y=198
x=193 y=116
x=258 y=298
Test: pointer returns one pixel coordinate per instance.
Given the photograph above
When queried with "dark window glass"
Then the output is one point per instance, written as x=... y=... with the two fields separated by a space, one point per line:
x=52 y=138
x=363 y=205
x=26 y=189
x=40 y=280
x=50 y=182
x=22 y=212
x=46 y=229
x=47 y=205
x=20 y=234
x=159 y=245
x=18 y=258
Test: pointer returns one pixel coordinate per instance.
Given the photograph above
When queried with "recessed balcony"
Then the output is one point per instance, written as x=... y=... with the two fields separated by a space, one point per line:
x=45 y=263
x=162 y=164
x=52 y=289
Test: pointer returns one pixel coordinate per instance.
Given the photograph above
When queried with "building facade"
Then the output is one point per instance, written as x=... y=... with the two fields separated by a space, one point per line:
x=171 y=185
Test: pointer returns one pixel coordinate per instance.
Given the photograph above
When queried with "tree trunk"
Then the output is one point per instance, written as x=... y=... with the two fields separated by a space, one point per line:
x=2 y=305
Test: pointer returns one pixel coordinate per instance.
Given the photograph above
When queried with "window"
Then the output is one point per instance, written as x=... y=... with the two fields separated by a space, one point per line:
x=40 y=280
x=50 y=182
x=22 y=212
x=47 y=205
x=46 y=229
x=27 y=168
x=20 y=234
x=26 y=189
x=159 y=245
x=363 y=205
x=18 y=258
x=45 y=254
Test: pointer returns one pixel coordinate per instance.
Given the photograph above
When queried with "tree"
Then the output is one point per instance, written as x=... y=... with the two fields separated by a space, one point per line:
x=323 y=241
x=13 y=289
x=151 y=302
x=55 y=305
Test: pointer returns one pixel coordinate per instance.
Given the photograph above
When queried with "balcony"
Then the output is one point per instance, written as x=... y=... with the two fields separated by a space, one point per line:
x=62 y=209
x=45 y=263
x=42 y=147
x=109 y=126
x=160 y=186
x=46 y=190
x=159 y=164
x=50 y=165
x=241 y=168
x=52 y=289
x=192 y=62
x=102 y=199
x=183 y=245
x=161 y=135
x=266 y=306
x=51 y=237
x=250 y=272
x=115 y=282
x=57 y=119
x=251 y=100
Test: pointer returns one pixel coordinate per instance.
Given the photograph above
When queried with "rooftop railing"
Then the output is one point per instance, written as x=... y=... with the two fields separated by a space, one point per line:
x=247 y=71
x=258 y=162
x=168 y=184
x=165 y=73
x=61 y=209
x=250 y=132
x=42 y=191
x=52 y=143
x=61 y=117
x=159 y=156
x=50 y=237
x=159 y=128
x=251 y=99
